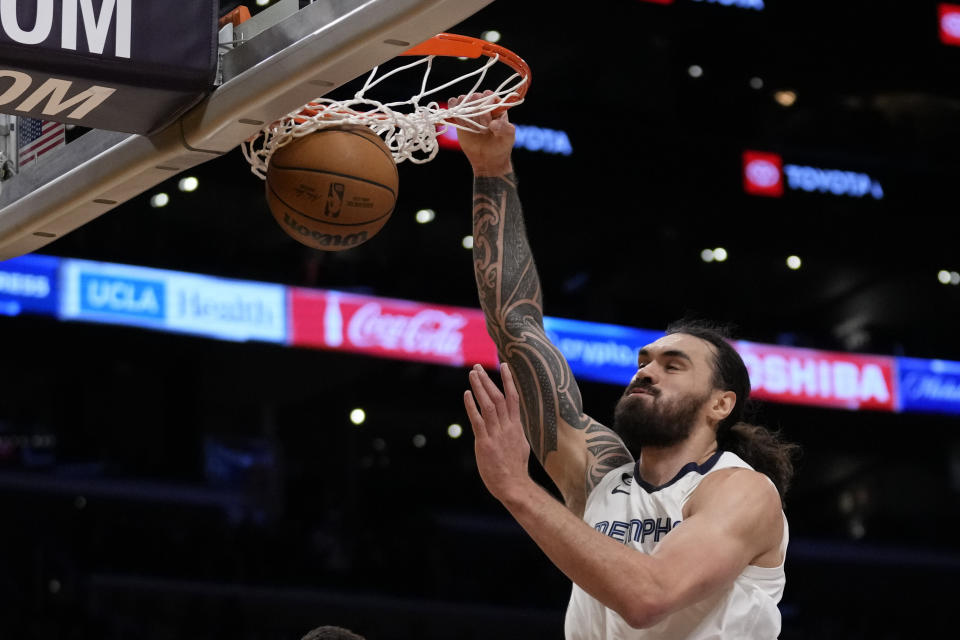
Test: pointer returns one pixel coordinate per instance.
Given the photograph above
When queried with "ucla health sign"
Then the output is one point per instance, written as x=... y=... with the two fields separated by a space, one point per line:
x=226 y=309
x=173 y=301
x=113 y=293
x=28 y=284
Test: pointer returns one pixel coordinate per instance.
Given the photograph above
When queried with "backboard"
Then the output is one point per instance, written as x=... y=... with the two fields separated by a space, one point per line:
x=282 y=58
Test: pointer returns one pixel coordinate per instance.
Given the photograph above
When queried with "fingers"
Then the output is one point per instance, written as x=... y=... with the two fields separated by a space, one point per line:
x=488 y=407
x=494 y=393
x=510 y=390
x=500 y=125
x=483 y=119
x=476 y=420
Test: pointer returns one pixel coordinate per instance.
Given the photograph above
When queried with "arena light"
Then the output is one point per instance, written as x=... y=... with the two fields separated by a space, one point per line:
x=262 y=3
x=954 y=278
x=720 y=254
x=491 y=36
x=707 y=255
x=785 y=98
x=159 y=200
x=943 y=276
x=425 y=215
x=358 y=416
x=454 y=431
x=188 y=184
x=756 y=82
x=695 y=70
x=794 y=262
x=419 y=441
x=467 y=242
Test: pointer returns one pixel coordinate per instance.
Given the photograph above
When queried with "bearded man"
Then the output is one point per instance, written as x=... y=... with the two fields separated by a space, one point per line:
x=672 y=525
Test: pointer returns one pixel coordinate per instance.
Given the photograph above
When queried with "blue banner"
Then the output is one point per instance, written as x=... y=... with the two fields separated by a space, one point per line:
x=599 y=352
x=28 y=284
x=241 y=310
x=174 y=301
x=929 y=385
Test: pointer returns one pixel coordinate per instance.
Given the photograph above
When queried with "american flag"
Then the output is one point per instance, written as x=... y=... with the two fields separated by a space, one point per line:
x=37 y=137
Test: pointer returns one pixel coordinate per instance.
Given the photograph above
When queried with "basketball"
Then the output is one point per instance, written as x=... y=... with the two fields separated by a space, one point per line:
x=333 y=189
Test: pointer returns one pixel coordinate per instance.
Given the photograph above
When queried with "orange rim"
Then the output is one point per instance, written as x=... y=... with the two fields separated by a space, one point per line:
x=451 y=44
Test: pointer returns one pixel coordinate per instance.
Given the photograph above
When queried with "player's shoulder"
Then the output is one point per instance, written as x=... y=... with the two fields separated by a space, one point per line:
x=738 y=487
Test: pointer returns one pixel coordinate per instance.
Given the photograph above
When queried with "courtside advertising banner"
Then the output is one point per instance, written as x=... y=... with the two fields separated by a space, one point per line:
x=819 y=378
x=390 y=328
x=599 y=352
x=120 y=65
x=113 y=294
x=240 y=310
x=174 y=301
x=929 y=385
x=28 y=284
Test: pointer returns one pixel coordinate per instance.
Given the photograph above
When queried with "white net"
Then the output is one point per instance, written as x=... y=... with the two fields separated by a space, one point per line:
x=409 y=127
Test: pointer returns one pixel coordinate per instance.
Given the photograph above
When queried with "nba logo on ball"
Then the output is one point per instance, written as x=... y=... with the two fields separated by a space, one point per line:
x=763 y=174
x=334 y=200
x=949 y=23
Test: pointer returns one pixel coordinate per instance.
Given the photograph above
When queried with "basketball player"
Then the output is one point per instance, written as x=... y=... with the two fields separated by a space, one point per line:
x=667 y=531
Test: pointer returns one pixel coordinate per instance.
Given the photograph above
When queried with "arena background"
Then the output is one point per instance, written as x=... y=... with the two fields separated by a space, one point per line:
x=117 y=523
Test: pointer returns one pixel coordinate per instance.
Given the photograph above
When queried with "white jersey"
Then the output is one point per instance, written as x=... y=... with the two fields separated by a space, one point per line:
x=626 y=508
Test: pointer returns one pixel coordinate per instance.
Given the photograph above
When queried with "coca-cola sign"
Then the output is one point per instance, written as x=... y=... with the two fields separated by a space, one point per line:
x=390 y=328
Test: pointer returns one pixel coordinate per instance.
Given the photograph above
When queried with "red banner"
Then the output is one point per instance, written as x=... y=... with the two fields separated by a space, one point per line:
x=389 y=328
x=820 y=378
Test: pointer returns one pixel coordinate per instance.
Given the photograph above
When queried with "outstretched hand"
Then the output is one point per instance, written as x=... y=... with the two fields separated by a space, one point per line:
x=488 y=149
x=501 y=447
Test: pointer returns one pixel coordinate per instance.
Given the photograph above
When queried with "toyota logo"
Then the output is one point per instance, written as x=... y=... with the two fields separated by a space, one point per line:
x=950 y=23
x=762 y=173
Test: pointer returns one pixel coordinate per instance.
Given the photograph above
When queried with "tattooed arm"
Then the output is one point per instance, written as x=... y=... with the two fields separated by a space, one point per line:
x=575 y=450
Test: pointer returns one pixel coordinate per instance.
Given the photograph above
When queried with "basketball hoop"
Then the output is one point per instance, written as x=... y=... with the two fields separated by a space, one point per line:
x=409 y=127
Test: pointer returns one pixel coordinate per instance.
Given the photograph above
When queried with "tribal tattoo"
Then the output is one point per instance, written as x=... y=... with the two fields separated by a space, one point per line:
x=512 y=301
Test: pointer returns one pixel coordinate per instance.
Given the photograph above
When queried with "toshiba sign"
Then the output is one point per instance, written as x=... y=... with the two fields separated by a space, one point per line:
x=820 y=378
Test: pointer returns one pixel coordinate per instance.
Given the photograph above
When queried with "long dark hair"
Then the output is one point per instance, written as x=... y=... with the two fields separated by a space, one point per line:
x=762 y=449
